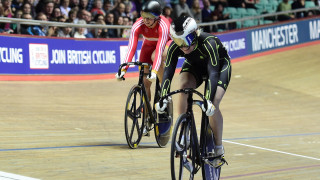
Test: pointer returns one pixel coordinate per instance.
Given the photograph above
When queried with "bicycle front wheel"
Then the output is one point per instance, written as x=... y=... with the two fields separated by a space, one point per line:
x=181 y=155
x=134 y=117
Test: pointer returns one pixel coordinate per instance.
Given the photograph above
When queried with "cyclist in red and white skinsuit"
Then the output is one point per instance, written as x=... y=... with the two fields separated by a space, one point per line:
x=155 y=30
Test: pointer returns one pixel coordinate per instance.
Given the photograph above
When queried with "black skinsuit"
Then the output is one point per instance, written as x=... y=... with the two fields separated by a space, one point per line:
x=208 y=59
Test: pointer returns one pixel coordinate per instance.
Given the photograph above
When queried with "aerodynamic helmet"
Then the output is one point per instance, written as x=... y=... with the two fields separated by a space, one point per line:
x=183 y=31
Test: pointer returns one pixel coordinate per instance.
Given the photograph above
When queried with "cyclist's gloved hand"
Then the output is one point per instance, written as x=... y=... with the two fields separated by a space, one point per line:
x=210 y=108
x=161 y=109
x=120 y=77
x=152 y=77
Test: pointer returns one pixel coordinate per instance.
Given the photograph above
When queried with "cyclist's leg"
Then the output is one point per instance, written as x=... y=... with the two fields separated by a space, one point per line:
x=145 y=56
x=187 y=80
x=216 y=121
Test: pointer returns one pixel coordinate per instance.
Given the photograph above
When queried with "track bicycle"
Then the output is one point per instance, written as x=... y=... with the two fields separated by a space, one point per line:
x=188 y=154
x=140 y=116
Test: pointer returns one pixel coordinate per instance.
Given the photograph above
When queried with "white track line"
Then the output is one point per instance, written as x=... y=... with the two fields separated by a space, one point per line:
x=297 y=155
x=10 y=176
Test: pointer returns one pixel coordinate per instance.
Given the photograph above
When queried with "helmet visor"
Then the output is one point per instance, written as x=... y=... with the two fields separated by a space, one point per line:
x=147 y=15
x=185 y=42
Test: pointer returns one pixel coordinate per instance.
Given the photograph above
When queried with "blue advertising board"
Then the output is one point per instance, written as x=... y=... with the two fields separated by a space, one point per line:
x=52 y=56
x=28 y=55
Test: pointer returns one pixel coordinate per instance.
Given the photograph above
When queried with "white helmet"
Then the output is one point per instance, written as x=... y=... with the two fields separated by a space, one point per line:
x=183 y=31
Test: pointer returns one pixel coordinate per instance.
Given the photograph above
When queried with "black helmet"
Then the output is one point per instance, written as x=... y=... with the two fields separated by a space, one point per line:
x=153 y=7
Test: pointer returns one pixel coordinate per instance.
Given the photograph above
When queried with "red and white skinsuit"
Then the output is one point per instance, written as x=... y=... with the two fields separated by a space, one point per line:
x=153 y=39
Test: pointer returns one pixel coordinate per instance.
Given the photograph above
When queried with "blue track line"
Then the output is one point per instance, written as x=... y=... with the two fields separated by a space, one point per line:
x=109 y=145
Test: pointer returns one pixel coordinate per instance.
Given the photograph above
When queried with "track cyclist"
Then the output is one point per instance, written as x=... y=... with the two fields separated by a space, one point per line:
x=205 y=56
x=155 y=31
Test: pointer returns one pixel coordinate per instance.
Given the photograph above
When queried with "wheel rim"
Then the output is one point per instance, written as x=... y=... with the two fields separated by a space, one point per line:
x=181 y=164
x=134 y=117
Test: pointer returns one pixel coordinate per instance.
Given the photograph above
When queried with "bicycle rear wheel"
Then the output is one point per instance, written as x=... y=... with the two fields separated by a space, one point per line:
x=134 y=117
x=181 y=155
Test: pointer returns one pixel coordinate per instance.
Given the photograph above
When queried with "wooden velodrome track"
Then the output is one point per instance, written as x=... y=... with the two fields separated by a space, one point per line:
x=74 y=130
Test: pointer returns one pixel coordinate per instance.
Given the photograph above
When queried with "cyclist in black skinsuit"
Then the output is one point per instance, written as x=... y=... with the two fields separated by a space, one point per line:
x=205 y=56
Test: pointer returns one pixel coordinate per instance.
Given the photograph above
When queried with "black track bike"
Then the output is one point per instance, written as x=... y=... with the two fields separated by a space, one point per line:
x=189 y=154
x=140 y=116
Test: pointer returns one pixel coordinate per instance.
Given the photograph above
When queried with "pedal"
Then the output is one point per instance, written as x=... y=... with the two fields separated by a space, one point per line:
x=145 y=132
x=216 y=162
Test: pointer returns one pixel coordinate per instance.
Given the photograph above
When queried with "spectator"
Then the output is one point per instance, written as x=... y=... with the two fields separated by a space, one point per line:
x=98 y=32
x=38 y=30
x=48 y=8
x=97 y=8
x=167 y=13
x=285 y=6
x=119 y=10
x=32 y=6
x=237 y=3
x=136 y=7
x=1 y=15
x=251 y=3
x=73 y=15
x=101 y=33
x=98 y=17
x=61 y=18
x=112 y=33
x=65 y=31
x=217 y=15
x=206 y=14
x=88 y=17
x=90 y=5
x=24 y=27
x=181 y=8
x=52 y=30
x=13 y=26
x=125 y=33
x=119 y=21
x=91 y=33
x=27 y=9
x=7 y=12
x=223 y=2
x=82 y=14
x=196 y=11
x=56 y=13
x=128 y=11
x=64 y=7
x=74 y=3
x=299 y=4
x=16 y=5
x=107 y=6
x=165 y=3
x=18 y=14
x=83 y=5
x=80 y=31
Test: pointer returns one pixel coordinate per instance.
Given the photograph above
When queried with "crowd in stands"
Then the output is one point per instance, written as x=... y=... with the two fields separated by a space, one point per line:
x=123 y=12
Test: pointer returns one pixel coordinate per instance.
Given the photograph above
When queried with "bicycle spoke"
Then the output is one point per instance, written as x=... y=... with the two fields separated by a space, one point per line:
x=133 y=117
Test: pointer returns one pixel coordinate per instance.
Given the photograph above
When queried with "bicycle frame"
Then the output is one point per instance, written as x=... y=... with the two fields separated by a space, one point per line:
x=143 y=88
